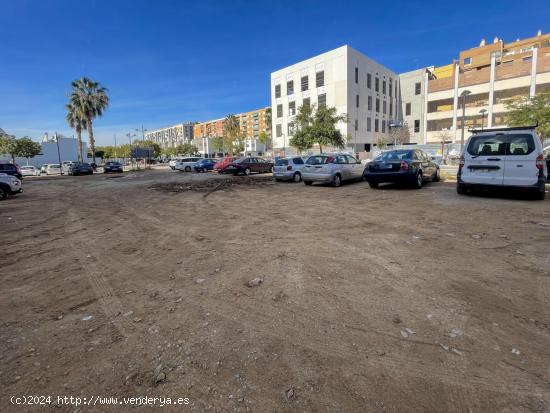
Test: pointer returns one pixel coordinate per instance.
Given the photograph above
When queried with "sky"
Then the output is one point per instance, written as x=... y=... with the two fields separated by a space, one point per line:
x=166 y=62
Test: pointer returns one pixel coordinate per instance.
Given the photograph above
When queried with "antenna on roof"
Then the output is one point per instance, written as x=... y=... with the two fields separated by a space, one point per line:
x=482 y=43
x=539 y=33
x=495 y=40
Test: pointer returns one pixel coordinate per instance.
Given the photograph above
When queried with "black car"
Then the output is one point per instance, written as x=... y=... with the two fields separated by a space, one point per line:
x=112 y=167
x=406 y=166
x=81 y=168
x=11 y=169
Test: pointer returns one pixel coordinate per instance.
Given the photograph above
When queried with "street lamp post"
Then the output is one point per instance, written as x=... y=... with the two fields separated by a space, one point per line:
x=58 y=153
x=463 y=96
x=482 y=112
x=142 y=130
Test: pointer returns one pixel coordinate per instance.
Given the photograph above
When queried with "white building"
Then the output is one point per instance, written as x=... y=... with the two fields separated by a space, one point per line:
x=172 y=136
x=342 y=78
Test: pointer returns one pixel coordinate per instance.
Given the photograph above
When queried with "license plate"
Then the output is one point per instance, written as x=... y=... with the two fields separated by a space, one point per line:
x=386 y=166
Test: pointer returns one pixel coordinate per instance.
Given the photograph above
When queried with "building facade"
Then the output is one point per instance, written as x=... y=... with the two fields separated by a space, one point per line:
x=172 y=136
x=251 y=124
x=342 y=78
x=492 y=76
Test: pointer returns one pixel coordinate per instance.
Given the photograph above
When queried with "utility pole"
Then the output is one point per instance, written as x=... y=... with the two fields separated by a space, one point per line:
x=116 y=157
x=142 y=130
x=58 y=153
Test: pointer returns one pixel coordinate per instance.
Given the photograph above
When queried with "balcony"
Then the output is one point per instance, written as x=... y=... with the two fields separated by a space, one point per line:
x=515 y=69
x=474 y=77
x=438 y=85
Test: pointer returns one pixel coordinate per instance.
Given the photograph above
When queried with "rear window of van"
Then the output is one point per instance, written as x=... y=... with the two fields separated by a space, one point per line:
x=501 y=144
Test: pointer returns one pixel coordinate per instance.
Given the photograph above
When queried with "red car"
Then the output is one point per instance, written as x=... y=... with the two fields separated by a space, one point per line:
x=222 y=165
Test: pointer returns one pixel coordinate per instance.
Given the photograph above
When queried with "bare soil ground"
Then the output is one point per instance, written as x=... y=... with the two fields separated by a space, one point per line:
x=389 y=300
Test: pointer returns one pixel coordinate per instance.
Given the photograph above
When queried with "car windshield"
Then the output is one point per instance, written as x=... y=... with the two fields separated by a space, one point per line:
x=240 y=160
x=281 y=162
x=27 y=167
x=394 y=156
x=54 y=166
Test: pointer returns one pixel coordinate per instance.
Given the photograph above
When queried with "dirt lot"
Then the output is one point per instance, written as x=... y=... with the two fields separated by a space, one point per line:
x=389 y=300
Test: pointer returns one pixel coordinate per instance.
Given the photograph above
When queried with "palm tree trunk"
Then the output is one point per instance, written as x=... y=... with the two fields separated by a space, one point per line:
x=79 y=139
x=91 y=137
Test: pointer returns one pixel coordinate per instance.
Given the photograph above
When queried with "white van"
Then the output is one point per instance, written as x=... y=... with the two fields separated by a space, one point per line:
x=186 y=164
x=503 y=157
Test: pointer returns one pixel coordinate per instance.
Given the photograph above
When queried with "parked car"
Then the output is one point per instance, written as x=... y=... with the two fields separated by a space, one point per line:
x=248 y=165
x=53 y=168
x=30 y=170
x=112 y=167
x=221 y=166
x=9 y=185
x=331 y=169
x=43 y=168
x=404 y=166
x=11 y=169
x=288 y=169
x=546 y=154
x=80 y=168
x=503 y=157
x=186 y=164
x=66 y=166
x=204 y=165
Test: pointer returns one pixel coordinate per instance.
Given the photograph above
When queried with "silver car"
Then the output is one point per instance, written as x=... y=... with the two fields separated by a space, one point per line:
x=187 y=164
x=331 y=169
x=288 y=169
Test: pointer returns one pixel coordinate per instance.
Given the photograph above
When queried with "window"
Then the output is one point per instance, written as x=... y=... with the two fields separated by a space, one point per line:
x=291 y=108
x=280 y=111
x=290 y=87
x=320 y=78
x=520 y=144
x=317 y=160
x=277 y=91
x=377 y=105
x=368 y=124
x=416 y=125
x=487 y=145
x=351 y=159
x=369 y=81
x=383 y=126
x=322 y=100
x=376 y=84
x=305 y=102
x=305 y=83
x=384 y=107
x=356 y=101
x=417 y=88
x=384 y=87
x=407 y=109
x=391 y=108
x=376 y=125
x=390 y=88
x=290 y=128
x=468 y=61
x=298 y=161
x=527 y=59
x=356 y=75
x=369 y=102
x=278 y=131
x=356 y=124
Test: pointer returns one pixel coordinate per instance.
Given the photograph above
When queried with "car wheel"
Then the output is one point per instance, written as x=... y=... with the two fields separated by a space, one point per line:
x=437 y=176
x=460 y=189
x=247 y=171
x=187 y=169
x=336 y=181
x=308 y=183
x=3 y=192
x=297 y=177
x=419 y=180
x=373 y=185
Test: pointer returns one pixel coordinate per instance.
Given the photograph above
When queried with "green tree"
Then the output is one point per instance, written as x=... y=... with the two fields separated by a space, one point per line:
x=531 y=111
x=303 y=137
x=76 y=121
x=149 y=144
x=90 y=99
x=27 y=148
x=186 y=149
x=231 y=131
x=323 y=129
x=217 y=144
x=8 y=145
x=264 y=139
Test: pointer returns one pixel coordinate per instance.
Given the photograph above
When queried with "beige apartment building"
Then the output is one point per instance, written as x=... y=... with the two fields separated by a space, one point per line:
x=172 y=136
x=491 y=75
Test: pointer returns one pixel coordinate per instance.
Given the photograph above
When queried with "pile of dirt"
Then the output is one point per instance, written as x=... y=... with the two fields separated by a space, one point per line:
x=212 y=185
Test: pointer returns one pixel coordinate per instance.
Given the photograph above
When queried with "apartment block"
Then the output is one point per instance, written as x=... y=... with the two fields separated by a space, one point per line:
x=251 y=124
x=342 y=78
x=493 y=75
x=172 y=136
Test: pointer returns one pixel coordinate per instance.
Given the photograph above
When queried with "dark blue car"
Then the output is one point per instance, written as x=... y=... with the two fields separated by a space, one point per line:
x=204 y=165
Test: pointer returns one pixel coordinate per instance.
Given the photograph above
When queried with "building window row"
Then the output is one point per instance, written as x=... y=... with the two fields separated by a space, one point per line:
x=304 y=84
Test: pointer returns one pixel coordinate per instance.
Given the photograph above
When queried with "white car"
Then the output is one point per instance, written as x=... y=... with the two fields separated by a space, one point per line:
x=66 y=166
x=186 y=164
x=9 y=185
x=503 y=157
x=53 y=168
x=30 y=170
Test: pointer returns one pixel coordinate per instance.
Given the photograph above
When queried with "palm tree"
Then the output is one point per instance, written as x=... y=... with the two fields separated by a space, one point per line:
x=91 y=100
x=231 y=130
x=76 y=121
